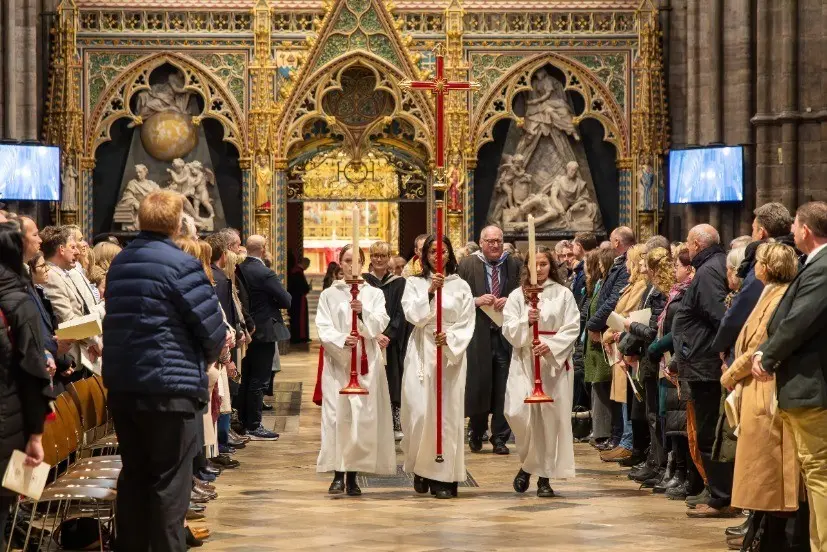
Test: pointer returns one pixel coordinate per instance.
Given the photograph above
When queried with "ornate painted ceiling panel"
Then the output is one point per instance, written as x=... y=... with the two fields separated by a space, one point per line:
x=440 y=5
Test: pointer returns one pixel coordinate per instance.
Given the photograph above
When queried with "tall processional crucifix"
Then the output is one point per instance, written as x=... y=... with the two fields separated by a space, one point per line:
x=440 y=86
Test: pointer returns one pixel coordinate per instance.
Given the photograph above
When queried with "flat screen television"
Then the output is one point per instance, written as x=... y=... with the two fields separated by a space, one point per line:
x=29 y=172
x=713 y=174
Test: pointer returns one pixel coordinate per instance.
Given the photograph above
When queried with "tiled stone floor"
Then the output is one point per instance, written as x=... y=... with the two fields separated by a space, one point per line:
x=276 y=501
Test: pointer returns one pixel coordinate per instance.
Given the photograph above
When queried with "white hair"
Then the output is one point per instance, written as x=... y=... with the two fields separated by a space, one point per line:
x=188 y=228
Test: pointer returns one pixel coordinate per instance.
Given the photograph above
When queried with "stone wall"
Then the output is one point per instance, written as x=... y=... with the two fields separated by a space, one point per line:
x=750 y=72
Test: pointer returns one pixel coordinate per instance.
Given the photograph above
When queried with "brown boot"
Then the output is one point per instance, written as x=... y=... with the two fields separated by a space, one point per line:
x=616 y=454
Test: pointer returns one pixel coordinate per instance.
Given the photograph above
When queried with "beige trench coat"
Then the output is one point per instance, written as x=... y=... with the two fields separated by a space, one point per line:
x=766 y=468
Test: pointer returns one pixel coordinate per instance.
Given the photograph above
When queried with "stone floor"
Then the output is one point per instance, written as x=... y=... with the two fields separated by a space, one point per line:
x=276 y=501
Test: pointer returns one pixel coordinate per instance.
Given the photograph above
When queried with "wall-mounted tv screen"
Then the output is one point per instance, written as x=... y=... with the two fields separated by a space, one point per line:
x=29 y=172
x=712 y=174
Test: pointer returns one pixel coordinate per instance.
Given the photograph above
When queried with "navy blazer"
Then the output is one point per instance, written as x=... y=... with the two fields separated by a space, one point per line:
x=267 y=297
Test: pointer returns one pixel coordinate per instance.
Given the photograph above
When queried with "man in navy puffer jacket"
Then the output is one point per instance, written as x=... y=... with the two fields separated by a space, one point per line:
x=163 y=326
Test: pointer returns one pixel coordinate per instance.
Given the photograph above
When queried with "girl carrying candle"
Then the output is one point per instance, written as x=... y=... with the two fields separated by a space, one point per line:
x=542 y=431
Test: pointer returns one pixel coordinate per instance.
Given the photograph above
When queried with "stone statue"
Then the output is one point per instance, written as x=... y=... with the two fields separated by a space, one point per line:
x=513 y=186
x=126 y=211
x=197 y=190
x=179 y=176
x=564 y=203
x=69 y=195
x=166 y=96
x=645 y=188
x=264 y=177
x=456 y=180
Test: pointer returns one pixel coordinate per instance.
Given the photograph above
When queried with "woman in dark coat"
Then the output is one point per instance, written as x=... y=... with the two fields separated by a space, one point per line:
x=25 y=385
x=672 y=406
x=298 y=288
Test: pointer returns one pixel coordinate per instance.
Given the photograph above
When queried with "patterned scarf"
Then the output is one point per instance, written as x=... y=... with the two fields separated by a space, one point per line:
x=677 y=289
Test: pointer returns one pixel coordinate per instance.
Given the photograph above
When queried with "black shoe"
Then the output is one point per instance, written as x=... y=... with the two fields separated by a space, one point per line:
x=647 y=472
x=421 y=484
x=225 y=462
x=521 y=481
x=678 y=493
x=739 y=530
x=191 y=540
x=338 y=485
x=352 y=487
x=676 y=481
x=443 y=490
x=544 y=490
x=636 y=458
x=500 y=448
x=265 y=406
x=474 y=443
x=650 y=483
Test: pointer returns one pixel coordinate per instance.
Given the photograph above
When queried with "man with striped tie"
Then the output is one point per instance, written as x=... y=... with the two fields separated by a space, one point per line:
x=492 y=274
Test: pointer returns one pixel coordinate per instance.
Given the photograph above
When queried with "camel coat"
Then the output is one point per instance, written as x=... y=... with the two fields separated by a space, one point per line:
x=766 y=468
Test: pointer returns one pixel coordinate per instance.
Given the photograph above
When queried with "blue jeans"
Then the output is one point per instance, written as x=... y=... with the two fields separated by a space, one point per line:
x=626 y=439
x=223 y=428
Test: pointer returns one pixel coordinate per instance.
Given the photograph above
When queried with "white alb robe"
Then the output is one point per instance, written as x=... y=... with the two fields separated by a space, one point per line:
x=542 y=431
x=357 y=430
x=419 y=378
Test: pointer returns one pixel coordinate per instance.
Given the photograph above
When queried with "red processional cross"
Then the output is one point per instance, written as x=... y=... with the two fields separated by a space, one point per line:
x=439 y=87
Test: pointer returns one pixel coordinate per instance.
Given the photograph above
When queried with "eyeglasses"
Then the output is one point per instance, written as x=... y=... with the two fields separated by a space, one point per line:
x=42 y=267
x=379 y=256
x=493 y=242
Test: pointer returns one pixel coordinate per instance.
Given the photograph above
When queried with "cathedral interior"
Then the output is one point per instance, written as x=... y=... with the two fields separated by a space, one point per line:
x=277 y=117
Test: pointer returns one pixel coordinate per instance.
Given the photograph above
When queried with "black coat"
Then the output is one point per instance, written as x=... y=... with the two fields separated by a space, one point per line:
x=266 y=298
x=392 y=288
x=673 y=406
x=796 y=350
x=480 y=371
x=25 y=388
x=637 y=340
x=616 y=280
x=696 y=324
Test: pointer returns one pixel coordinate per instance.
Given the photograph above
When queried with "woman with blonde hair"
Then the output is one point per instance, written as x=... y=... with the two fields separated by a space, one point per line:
x=766 y=469
x=629 y=300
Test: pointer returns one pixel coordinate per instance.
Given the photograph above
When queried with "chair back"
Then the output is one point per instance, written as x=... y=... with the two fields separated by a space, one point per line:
x=82 y=397
x=71 y=421
x=99 y=401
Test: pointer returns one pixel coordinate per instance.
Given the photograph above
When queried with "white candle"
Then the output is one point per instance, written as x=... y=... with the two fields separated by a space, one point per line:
x=355 y=267
x=532 y=251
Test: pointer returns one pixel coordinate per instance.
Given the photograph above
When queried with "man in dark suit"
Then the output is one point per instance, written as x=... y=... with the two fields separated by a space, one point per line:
x=267 y=298
x=492 y=274
x=796 y=354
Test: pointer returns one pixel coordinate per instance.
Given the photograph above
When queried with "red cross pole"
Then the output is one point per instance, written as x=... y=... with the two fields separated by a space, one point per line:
x=440 y=86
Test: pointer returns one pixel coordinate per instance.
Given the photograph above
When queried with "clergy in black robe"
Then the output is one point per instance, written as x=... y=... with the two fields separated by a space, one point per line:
x=392 y=287
x=298 y=288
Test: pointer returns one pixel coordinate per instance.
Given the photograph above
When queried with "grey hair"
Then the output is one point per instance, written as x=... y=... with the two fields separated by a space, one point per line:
x=740 y=241
x=706 y=235
x=735 y=257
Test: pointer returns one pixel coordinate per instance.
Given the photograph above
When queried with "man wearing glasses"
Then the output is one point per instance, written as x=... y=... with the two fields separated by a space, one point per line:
x=492 y=274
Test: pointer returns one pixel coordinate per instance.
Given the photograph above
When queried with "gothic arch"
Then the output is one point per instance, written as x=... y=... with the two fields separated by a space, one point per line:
x=306 y=103
x=219 y=103
x=600 y=104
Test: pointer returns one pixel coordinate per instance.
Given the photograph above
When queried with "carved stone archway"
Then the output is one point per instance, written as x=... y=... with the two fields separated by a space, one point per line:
x=600 y=104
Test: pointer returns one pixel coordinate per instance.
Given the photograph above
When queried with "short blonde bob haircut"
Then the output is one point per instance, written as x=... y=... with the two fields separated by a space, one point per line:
x=779 y=260
x=160 y=212
x=381 y=247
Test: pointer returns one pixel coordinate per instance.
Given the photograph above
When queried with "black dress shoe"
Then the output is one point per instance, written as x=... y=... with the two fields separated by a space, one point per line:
x=443 y=490
x=191 y=540
x=265 y=406
x=676 y=481
x=352 y=487
x=474 y=443
x=212 y=470
x=650 y=483
x=635 y=459
x=500 y=448
x=421 y=484
x=679 y=492
x=739 y=530
x=226 y=462
x=647 y=472
x=544 y=489
x=521 y=481
x=338 y=485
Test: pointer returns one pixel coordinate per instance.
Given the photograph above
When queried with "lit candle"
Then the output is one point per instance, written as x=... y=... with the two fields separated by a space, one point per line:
x=532 y=251
x=355 y=267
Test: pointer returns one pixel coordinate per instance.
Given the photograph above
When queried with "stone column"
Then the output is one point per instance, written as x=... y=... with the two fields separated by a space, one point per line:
x=624 y=169
x=10 y=69
x=278 y=219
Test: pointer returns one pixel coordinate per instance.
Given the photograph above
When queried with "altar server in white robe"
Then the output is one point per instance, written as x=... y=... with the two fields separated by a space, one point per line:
x=419 y=376
x=542 y=431
x=357 y=430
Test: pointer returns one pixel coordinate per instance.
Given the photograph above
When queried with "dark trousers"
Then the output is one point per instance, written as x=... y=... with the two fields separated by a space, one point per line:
x=156 y=479
x=6 y=505
x=706 y=398
x=256 y=370
x=657 y=454
x=478 y=423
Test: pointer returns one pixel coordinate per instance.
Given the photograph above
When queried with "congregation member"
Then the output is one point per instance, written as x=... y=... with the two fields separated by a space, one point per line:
x=60 y=251
x=163 y=327
x=419 y=389
x=583 y=243
x=356 y=430
x=765 y=449
x=543 y=432
x=25 y=384
x=298 y=287
x=393 y=337
x=699 y=367
x=771 y=222
x=79 y=274
x=398 y=265
x=622 y=239
x=492 y=275
x=266 y=299
x=794 y=354
x=414 y=266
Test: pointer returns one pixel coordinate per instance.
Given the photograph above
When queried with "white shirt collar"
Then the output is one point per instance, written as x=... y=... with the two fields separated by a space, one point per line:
x=813 y=253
